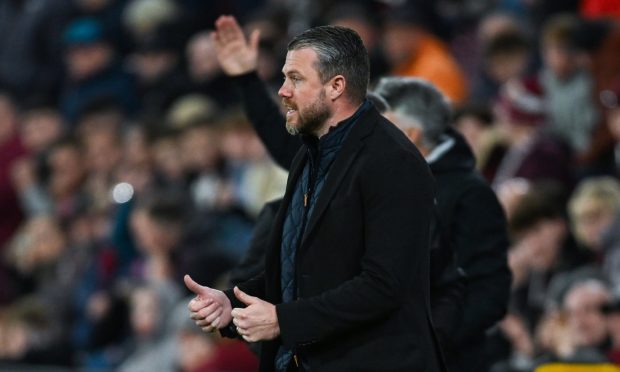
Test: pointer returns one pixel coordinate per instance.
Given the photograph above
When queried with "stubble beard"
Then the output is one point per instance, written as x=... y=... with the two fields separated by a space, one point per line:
x=311 y=119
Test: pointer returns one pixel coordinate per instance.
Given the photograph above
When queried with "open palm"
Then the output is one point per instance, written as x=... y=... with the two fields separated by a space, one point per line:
x=235 y=53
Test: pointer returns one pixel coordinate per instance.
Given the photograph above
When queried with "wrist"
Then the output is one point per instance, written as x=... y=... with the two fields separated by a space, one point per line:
x=276 y=327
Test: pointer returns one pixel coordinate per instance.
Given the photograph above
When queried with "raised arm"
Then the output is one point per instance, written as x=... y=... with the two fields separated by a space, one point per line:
x=238 y=58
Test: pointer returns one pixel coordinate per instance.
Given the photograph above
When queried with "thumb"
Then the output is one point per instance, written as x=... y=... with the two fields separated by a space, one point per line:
x=254 y=38
x=244 y=297
x=193 y=286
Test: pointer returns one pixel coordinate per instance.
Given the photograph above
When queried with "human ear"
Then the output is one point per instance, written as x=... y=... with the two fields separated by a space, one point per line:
x=336 y=87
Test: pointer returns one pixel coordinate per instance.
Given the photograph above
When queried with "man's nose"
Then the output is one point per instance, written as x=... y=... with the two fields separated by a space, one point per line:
x=284 y=91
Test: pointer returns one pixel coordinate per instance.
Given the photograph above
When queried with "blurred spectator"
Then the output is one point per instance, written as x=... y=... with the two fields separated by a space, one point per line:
x=28 y=336
x=505 y=56
x=475 y=123
x=567 y=86
x=201 y=157
x=40 y=127
x=478 y=252
x=143 y=17
x=595 y=214
x=586 y=322
x=152 y=347
x=157 y=224
x=255 y=179
x=541 y=250
x=156 y=64
x=109 y=13
x=166 y=162
x=65 y=179
x=532 y=152
x=609 y=164
x=413 y=51
x=30 y=31
x=94 y=73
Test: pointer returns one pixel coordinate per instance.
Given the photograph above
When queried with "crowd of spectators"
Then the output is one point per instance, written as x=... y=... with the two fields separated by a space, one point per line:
x=126 y=161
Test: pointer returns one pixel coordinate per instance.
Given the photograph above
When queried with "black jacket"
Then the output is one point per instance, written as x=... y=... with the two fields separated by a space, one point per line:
x=362 y=269
x=472 y=223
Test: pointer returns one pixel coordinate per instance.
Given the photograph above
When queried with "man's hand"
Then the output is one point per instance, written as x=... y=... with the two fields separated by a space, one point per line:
x=236 y=55
x=210 y=309
x=258 y=321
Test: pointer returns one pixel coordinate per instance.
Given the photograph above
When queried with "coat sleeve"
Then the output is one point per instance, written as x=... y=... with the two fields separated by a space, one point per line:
x=253 y=287
x=267 y=119
x=397 y=200
x=481 y=243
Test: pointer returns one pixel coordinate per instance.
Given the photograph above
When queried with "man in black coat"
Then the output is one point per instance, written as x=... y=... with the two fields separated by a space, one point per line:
x=346 y=280
x=470 y=224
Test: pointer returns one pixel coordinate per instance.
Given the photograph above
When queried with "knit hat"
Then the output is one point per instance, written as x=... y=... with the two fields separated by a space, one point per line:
x=83 y=31
x=523 y=101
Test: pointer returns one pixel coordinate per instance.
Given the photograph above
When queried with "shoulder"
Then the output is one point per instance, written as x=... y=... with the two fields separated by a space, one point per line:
x=389 y=157
x=387 y=142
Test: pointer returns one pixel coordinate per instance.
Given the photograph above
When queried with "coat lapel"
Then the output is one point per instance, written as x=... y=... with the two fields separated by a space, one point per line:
x=350 y=149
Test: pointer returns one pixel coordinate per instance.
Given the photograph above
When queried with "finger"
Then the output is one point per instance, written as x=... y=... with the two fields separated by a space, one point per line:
x=244 y=297
x=242 y=331
x=217 y=41
x=193 y=286
x=208 y=329
x=216 y=322
x=254 y=39
x=237 y=313
x=226 y=29
x=198 y=304
x=214 y=315
x=203 y=323
x=205 y=312
x=240 y=323
x=196 y=316
x=231 y=27
x=249 y=338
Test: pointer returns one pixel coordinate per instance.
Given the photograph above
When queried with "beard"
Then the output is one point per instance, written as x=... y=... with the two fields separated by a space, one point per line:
x=311 y=118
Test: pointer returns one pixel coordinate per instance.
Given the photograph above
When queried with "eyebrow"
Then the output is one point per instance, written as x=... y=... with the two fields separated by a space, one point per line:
x=292 y=71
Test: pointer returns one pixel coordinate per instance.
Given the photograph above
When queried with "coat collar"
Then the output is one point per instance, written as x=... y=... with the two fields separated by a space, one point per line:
x=345 y=158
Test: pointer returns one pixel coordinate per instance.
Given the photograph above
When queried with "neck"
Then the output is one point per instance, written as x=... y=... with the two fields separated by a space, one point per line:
x=341 y=112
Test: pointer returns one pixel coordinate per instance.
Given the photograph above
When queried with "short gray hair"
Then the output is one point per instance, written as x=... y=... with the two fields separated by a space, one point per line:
x=419 y=100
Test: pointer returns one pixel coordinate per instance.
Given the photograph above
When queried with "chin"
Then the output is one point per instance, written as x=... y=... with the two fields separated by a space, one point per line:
x=292 y=128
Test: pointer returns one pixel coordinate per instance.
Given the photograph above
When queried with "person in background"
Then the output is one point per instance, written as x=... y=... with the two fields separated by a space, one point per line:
x=413 y=51
x=594 y=210
x=567 y=85
x=505 y=56
x=470 y=224
x=532 y=152
x=586 y=322
x=93 y=71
